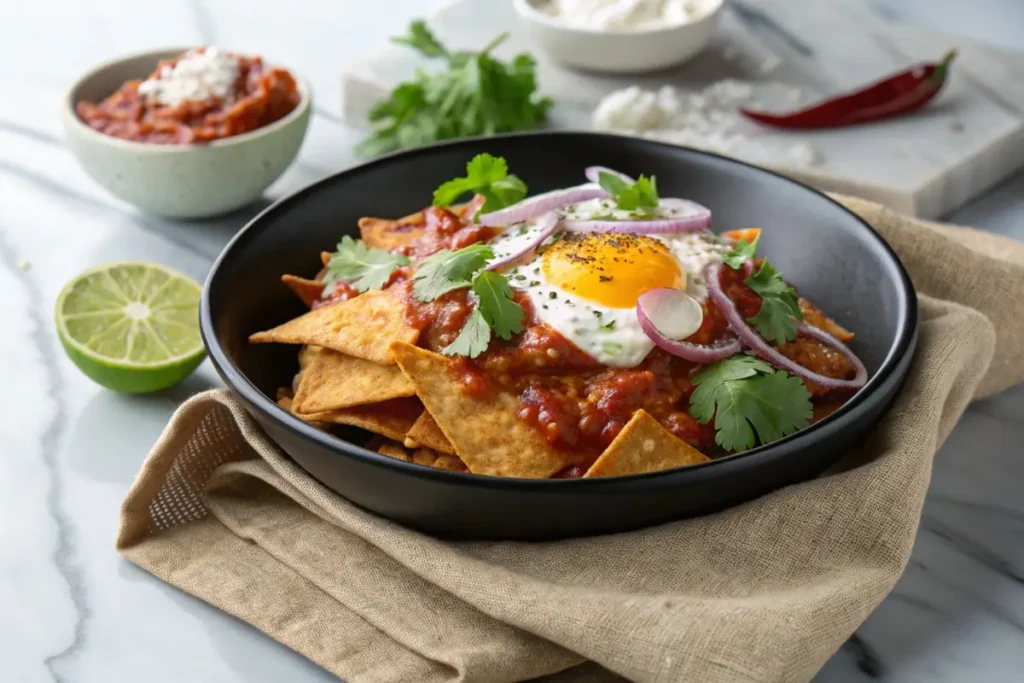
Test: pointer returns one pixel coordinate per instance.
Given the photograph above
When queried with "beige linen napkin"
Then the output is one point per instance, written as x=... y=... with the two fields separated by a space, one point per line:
x=766 y=591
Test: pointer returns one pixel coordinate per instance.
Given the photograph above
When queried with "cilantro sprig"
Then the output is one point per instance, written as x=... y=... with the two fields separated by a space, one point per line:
x=739 y=254
x=476 y=94
x=495 y=310
x=748 y=398
x=446 y=270
x=639 y=196
x=488 y=176
x=780 y=309
x=360 y=266
x=777 y=318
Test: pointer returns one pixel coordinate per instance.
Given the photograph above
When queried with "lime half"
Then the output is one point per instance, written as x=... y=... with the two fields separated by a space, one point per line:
x=131 y=327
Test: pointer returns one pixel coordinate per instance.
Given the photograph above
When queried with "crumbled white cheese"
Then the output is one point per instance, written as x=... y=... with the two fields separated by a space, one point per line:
x=708 y=119
x=198 y=75
x=622 y=15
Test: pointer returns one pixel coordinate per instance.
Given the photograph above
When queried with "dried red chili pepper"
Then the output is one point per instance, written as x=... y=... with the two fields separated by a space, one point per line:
x=899 y=94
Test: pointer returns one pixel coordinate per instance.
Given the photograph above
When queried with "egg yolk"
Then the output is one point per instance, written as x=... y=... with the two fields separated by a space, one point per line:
x=611 y=269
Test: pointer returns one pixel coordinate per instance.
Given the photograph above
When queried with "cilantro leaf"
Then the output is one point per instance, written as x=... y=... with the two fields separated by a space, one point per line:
x=643 y=194
x=746 y=397
x=422 y=39
x=780 y=309
x=446 y=270
x=473 y=339
x=360 y=266
x=475 y=95
x=738 y=255
x=496 y=306
x=486 y=175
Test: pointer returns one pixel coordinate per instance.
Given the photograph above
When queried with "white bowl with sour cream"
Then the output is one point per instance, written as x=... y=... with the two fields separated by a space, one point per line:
x=620 y=36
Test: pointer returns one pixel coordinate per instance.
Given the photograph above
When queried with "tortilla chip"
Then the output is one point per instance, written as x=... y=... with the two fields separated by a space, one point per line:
x=285 y=400
x=423 y=456
x=813 y=316
x=307 y=290
x=391 y=418
x=426 y=434
x=486 y=433
x=361 y=327
x=334 y=380
x=642 y=446
x=394 y=450
x=325 y=258
x=306 y=356
x=381 y=233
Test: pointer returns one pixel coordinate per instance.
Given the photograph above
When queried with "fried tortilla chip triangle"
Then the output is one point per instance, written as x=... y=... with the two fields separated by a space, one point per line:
x=391 y=418
x=644 y=446
x=336 y=380
x=426 y=434
x=362 y=327
x=485 y=432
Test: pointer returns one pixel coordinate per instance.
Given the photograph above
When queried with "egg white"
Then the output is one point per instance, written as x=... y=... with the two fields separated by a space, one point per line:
x=612 y=336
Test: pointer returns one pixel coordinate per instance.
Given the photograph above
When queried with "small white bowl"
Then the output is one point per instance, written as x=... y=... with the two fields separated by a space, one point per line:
x=619 y=51
x=181 y=181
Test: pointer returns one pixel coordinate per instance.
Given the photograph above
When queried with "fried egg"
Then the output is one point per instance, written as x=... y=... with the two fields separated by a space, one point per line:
x=585 y=285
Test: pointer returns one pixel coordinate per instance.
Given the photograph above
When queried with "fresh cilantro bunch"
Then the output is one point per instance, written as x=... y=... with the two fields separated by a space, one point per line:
x=495 y=310
x=747 y=397
x=360 y=266
x=475 y=95
x=777 y=318
x=488 y=176
x=640 y=196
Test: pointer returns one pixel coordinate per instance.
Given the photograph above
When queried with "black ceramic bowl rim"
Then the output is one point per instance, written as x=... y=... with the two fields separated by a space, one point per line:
x=902 y=346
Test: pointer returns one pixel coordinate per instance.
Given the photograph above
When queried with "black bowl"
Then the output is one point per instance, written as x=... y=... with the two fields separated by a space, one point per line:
x=830 y=254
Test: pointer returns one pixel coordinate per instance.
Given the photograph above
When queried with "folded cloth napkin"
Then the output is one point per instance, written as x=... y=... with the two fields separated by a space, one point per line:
x=765 y=591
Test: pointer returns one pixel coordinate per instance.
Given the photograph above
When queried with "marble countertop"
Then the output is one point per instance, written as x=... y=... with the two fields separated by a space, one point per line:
x=71 y=610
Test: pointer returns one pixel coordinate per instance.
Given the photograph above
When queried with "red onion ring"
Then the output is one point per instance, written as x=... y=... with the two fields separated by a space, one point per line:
x=762 y=348
x=663 y=225
x=696 y=353
x=593 y=174
x=542 y=203
x=547 y=225
x=684 y=205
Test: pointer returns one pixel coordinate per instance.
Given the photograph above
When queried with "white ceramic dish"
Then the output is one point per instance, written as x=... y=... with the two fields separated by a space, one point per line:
x=619 y=51
x=181 y=181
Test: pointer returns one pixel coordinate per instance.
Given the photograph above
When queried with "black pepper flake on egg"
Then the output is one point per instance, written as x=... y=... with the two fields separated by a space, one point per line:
x=604 y=278
x=534 y=283
x=552 y=295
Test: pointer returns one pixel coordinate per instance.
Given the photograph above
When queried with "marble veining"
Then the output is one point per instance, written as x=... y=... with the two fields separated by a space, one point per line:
x=72 y=611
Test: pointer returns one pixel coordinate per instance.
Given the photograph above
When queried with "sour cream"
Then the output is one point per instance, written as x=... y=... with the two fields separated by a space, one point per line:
x=622 y=15
x=199 y=75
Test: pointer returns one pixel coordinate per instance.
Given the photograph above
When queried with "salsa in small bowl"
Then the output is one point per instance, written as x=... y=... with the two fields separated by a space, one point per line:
x=187 y=133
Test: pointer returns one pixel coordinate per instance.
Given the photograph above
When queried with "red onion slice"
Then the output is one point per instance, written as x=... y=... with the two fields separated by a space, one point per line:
x=594 y=174
x=542 y=203
x=668 y=315
x=682 y=207
x=651 y=227
x=534 y=237
x=762 y=348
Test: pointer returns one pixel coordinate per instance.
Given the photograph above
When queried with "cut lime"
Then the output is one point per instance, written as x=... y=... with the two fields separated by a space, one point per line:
x=131 y=327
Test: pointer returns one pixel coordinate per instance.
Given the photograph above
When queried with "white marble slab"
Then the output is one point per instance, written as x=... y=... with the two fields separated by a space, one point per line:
x=930 y=164
x=72 y=611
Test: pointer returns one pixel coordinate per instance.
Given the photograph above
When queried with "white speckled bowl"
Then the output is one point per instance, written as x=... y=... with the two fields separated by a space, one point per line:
x=182 y=181
x=623 y=52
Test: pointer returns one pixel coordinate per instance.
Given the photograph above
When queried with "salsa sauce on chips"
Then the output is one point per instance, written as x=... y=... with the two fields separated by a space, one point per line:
x=577 y=404
x=531 y=402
